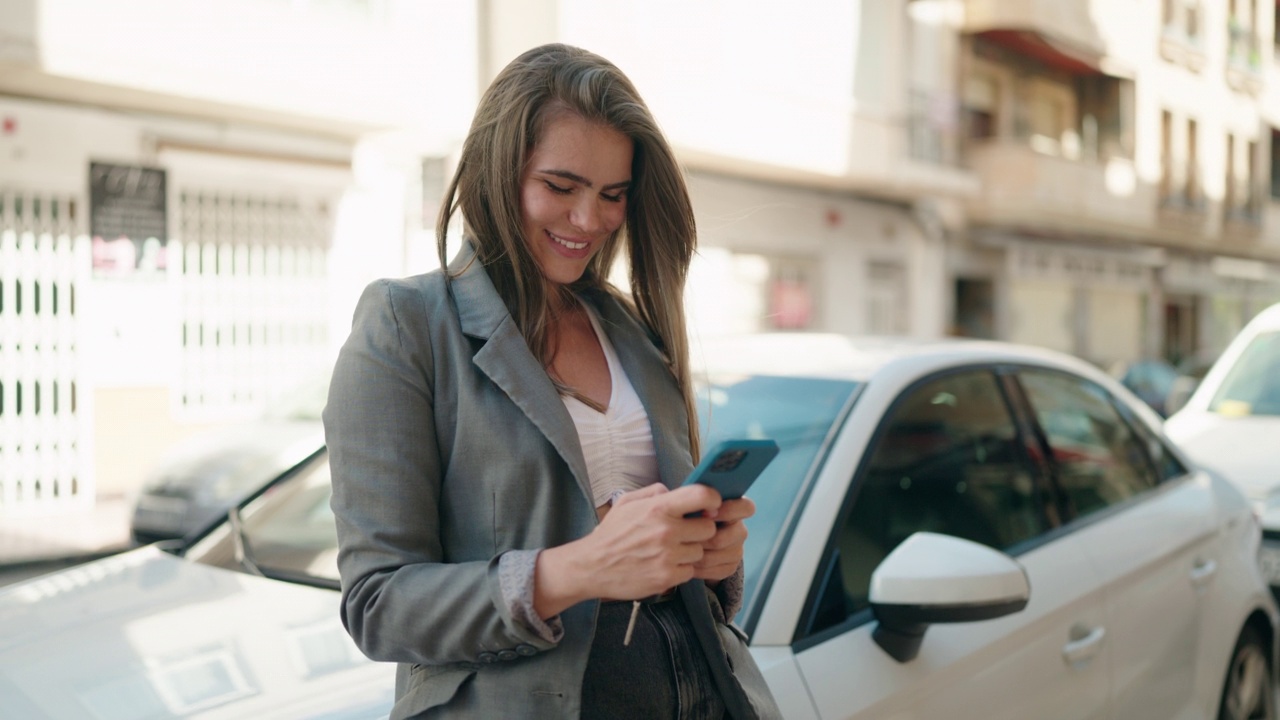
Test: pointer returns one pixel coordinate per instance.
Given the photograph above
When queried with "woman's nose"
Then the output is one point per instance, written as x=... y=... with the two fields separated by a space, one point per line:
x=585 y=215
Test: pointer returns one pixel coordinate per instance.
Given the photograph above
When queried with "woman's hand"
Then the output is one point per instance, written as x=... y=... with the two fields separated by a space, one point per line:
x=643 y=546
x=723 y=552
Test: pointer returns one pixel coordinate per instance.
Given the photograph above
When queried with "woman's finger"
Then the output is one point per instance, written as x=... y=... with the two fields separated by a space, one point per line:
x=694 y=498
x=730 y=510
x=730 y=534
x=710 y=569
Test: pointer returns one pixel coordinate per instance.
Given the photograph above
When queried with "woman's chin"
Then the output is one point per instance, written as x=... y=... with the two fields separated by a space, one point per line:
x=559 y=272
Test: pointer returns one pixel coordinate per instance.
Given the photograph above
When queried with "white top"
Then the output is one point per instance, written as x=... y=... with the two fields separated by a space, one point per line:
x=618 y=443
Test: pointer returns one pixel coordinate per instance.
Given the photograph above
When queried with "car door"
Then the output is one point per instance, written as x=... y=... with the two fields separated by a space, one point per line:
x=1149 y=531
x=951 y=457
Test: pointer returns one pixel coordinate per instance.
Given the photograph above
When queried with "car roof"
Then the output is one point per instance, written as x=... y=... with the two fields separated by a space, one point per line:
x=1268 y=319
x=860 y=358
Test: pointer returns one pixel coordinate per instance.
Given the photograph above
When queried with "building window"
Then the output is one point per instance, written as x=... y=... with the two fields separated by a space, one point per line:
x=887 y=301
x=1275 y=26
x=1105 y=117
x=1242 y=39
x=1241 y=200
x=1275 y=163
x=1166 y=157
x=1046 y=122
x=1194 y=196
x=1180 y=185
x=981 y=99
x=1180 y=21
x=791 y=304
x=1229 y=200
x=1252 y=205
x=974 y=306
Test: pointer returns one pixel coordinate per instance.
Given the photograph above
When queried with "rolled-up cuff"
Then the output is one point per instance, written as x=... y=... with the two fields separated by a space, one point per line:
x=729 y=592
x=516 y=572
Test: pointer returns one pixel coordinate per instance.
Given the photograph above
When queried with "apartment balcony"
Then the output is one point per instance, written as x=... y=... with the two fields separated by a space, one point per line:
x=1066 y=26
x=1244 y=59
x=341 y=68
x=1027 y=188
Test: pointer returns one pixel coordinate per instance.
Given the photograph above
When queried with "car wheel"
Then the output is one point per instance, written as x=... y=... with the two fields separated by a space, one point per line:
x=1248 y=693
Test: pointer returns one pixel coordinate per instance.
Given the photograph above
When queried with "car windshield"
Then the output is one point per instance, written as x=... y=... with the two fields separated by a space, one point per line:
x=797 y=413
x=288 y=532
x=1252 y=387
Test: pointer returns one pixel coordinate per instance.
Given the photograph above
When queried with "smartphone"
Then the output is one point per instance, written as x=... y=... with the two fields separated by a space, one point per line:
x=731 y=466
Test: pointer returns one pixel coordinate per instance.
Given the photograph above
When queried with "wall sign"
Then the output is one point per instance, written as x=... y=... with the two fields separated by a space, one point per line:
x=128 y=218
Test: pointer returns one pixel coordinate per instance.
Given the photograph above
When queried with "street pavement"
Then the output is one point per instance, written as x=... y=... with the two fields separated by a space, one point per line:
x=37 y=543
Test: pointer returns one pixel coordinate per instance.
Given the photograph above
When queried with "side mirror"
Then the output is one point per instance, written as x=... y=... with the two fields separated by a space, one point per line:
x=932 y=578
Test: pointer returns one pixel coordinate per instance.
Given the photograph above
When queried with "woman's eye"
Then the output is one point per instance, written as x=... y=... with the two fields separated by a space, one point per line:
x=557 y=189
x=614 y=198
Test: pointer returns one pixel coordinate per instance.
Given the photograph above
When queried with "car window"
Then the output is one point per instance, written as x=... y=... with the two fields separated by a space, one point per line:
x=1095 y=456
x=1167 y=465
x=948 y=458
x=288 y=532
x=1252 y=387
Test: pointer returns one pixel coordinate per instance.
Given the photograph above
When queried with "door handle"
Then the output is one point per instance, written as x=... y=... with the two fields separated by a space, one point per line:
x=1203 y=572
x=1083 y=648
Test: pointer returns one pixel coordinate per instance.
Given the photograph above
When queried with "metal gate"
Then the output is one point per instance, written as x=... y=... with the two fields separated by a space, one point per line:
x=45 y=440
x=250 y=277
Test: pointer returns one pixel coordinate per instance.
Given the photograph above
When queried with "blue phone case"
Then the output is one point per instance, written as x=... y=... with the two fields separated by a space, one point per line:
x=731 y=466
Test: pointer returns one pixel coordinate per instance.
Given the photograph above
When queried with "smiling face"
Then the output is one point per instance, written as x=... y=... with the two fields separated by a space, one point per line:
x=573 y=194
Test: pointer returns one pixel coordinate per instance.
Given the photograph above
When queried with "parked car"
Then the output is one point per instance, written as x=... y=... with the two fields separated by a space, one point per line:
x=1191 y=372
x=196 y=481
x=1150 y=380
x=1232 y=425
x=950 y=530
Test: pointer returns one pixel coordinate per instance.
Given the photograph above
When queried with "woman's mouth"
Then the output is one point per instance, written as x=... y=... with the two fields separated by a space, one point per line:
x=568 y=243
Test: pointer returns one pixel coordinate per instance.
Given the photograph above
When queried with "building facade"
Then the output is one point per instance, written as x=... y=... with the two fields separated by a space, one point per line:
x=215 y=182
x=189 y=193
x=1124 y=210
x=1089 y=176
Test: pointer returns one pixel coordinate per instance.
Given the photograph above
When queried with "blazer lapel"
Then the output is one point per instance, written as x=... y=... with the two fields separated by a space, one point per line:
x=506 y=359
x=647 y=370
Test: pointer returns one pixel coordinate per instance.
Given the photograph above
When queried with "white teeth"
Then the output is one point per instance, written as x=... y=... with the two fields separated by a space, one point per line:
x=566 y=243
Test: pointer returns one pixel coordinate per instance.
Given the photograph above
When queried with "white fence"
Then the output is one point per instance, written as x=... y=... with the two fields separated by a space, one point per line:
x=45 y=409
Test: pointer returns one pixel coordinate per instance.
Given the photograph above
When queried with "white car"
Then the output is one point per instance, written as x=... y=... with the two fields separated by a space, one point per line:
x=951 y=530
x=1231 y=424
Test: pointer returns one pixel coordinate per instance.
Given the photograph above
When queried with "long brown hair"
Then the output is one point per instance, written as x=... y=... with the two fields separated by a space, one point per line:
x=659 y=232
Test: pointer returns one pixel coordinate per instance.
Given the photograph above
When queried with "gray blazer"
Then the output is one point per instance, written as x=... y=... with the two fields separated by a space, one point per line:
x=449 y=446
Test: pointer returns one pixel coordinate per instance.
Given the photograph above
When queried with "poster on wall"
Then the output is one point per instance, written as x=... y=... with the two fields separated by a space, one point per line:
x=128 y=220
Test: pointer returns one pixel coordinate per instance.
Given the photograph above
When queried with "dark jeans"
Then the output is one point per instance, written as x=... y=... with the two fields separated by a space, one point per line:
x=661 y=674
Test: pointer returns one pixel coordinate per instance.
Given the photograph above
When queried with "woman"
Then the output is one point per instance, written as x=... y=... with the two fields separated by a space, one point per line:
x=507 y=437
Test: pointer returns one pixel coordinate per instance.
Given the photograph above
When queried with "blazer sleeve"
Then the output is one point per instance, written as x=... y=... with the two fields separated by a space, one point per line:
x=400 y=601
